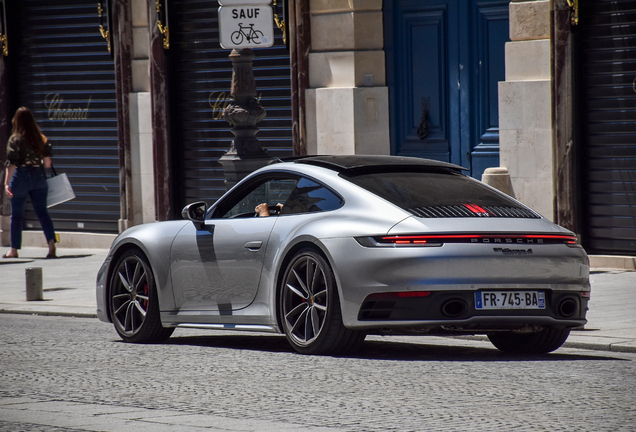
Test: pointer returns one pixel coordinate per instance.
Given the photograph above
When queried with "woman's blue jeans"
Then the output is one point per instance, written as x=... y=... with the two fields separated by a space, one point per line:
x=27 y=182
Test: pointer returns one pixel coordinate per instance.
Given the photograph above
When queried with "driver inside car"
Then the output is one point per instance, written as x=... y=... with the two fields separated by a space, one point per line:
x=263 y=209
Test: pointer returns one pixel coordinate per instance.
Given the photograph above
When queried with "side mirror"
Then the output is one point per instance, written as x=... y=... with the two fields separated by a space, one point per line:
x=195 y=212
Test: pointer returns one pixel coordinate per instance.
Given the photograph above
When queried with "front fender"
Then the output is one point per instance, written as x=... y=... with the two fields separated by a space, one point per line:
x=155 y=241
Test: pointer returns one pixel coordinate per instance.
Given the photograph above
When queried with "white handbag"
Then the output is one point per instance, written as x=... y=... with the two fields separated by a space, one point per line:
x=60 y=189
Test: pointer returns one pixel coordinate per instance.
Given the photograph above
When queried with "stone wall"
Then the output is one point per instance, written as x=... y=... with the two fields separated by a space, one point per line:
x=525 y=106
x=141 y=152
x=347 y=101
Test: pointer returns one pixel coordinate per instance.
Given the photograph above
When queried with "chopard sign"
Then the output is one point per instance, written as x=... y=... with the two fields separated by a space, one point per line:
x=57 y=110
x=219 y=101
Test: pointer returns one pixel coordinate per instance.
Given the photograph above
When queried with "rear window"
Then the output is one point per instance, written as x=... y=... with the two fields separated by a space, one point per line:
x=440 y=194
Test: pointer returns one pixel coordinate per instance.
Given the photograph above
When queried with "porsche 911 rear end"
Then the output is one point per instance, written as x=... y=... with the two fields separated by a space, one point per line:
x=475 y=277
x=468 y=260
x=463 y=282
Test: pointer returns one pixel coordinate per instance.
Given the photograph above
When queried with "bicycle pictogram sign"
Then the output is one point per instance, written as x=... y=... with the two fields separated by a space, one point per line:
x=251 y=35
x=246 y=26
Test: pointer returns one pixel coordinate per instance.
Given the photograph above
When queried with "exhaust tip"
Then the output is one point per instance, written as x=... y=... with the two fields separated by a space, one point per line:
x=568 y=307
x=454 y=308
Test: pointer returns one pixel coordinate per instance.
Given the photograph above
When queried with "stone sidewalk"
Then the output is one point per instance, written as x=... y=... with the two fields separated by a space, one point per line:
x=69 y=290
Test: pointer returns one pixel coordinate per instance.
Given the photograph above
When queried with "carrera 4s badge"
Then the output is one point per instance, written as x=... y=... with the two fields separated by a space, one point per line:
x=508 y=251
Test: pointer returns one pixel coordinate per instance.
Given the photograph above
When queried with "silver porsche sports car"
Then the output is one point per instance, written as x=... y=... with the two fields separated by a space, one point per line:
x=328 y=249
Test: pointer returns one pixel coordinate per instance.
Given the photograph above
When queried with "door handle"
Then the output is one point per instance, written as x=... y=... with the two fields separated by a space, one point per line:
x=422 y=130
x=253 y=245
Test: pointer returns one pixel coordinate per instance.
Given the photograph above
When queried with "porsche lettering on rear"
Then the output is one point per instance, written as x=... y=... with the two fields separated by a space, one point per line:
x=508 y=240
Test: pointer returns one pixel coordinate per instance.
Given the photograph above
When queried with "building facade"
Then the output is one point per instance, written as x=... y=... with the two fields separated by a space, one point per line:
x=131 y=94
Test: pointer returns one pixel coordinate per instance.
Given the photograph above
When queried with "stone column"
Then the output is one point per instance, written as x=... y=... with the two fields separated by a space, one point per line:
x=347 y=100
x=525 y=106
x=141 y=131
x=121 y=34
x=565 y=209
x=243 y=113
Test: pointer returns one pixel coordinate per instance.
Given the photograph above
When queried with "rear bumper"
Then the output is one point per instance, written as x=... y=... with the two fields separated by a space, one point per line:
x=444 y=305
x=456 y=309
x=471 y=326
x=456 y=271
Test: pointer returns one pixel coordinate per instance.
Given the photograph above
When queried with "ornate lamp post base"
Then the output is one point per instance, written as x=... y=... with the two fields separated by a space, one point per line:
x=244 y=112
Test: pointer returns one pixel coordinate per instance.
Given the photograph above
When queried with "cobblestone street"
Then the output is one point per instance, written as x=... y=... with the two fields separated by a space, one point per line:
x=230 y=381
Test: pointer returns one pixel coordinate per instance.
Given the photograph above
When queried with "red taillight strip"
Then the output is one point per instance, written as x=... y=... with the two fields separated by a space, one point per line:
x=413 y=239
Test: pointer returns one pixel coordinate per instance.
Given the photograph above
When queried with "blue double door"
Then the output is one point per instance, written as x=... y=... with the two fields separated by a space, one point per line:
x=444 y=61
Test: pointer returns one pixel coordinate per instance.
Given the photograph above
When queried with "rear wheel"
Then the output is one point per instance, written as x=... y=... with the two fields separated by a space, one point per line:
x=541 y=342
x=134 y=306
x=310 y=307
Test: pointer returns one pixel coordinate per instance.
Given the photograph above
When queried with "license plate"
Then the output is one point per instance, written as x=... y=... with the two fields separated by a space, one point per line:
x=509 y=300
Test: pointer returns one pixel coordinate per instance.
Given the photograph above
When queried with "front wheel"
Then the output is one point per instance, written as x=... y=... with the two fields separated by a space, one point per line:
x=310 y=308
x=134 y=306
x=237 y=38
x=541 y=342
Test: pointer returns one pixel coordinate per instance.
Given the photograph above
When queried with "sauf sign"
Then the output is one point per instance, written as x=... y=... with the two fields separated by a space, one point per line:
x=246 y=24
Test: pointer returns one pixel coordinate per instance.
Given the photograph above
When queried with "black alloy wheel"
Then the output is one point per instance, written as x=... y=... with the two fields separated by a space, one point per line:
x=310 y=308
x=134 y=306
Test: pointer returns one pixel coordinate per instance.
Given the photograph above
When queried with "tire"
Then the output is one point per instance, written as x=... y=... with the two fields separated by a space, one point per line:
x=310 y=308
x=134 y=306
x=541 y=342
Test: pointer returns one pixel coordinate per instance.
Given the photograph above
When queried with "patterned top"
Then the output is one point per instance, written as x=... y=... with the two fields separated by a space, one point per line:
x=19 y=153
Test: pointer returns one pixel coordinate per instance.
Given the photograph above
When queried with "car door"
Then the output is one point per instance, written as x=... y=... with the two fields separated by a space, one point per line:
x=217 y=266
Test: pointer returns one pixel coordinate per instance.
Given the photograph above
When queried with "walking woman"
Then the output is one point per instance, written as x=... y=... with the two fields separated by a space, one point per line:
x=28 y=151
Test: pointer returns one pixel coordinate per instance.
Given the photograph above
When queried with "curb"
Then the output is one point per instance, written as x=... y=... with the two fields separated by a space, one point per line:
x=595 y=346
x=612 y=262
x=49 y=313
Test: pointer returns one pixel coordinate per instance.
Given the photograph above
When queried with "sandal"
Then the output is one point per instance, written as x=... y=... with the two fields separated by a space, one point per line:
x=8 y=256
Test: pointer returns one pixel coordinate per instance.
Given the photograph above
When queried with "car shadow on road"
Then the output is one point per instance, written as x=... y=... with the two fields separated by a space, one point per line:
x=383 y=350
x=404 y=351
x=250 y=342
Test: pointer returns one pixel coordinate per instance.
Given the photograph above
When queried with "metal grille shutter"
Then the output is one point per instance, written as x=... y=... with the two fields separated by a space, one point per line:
x=66 y=76
x=607 y=124
x=201 y=74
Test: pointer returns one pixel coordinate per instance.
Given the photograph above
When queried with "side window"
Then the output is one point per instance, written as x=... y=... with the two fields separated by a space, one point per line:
x=271 y=192
x=310 y=196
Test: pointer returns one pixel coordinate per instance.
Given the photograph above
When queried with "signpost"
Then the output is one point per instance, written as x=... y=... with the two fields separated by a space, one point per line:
x=246 y=24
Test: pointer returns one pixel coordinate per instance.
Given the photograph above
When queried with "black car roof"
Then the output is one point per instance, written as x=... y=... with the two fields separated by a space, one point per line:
x=353 y=163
